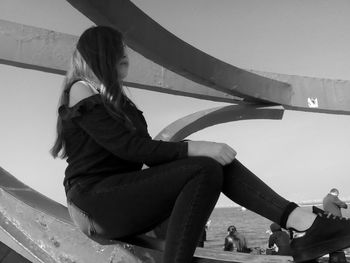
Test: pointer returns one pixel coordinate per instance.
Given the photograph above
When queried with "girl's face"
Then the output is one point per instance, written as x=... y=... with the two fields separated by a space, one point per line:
x=123 y=65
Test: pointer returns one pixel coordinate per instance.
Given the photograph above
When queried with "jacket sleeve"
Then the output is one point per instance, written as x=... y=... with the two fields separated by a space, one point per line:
x=340 y=203
x=112 y=134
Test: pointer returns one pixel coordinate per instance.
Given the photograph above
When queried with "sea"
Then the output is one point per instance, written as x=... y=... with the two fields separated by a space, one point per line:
x=254 y=227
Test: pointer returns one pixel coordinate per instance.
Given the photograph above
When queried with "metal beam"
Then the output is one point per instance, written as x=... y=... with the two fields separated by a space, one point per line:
x=315 y=94
x=42 y=235
x=197 y=121
x=49 y=51
x=151 y=40
x=35 y=48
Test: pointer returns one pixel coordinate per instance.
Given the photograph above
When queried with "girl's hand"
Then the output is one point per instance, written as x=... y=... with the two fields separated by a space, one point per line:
x=220 y=152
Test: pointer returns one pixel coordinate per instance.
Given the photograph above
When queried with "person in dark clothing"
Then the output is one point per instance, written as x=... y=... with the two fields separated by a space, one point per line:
x=203 y=236
x=280 y=239
x=332 y=204
x=235 y=241
x=105 y=140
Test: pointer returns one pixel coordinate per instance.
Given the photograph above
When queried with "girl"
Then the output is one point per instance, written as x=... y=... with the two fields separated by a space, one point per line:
x=104 y=137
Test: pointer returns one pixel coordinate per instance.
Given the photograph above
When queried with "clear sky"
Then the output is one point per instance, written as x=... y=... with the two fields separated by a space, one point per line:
x=301 y=157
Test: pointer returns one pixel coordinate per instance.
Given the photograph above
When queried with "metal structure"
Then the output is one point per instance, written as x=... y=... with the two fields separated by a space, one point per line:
x=40 y=229
x=49 y=51
x=152 y=41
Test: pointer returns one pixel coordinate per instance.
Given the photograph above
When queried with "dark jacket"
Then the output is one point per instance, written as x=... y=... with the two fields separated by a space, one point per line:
x=281 y=239
x=99 y=144
x=332 y=204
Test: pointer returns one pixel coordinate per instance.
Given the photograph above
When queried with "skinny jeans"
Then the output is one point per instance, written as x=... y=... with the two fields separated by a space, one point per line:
x=182 y=192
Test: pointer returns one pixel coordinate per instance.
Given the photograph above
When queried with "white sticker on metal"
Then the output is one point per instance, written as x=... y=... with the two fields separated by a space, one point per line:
x=312 y=102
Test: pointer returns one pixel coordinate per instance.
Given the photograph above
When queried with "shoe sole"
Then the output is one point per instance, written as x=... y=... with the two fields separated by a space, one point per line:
x=317 y=251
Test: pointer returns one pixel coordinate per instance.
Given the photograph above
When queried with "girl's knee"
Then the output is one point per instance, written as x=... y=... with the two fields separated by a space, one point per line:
x=212 y=170
x=209 y=163
x=203 y=160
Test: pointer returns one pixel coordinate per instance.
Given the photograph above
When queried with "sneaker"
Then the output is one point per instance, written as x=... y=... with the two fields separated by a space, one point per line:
x=327 y=234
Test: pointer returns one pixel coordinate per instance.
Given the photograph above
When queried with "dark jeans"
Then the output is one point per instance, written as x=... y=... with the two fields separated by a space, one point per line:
x=185 y=191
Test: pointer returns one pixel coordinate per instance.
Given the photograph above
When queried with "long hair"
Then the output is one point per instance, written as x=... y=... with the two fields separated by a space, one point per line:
x=94 y=60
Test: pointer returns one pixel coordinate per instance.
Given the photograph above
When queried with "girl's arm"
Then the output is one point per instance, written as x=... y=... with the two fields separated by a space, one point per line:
x=114 y=136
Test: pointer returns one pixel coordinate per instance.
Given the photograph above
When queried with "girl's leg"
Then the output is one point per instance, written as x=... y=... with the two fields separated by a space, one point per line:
x=134 y=203
x=246 y=189
x=190 y=214
x=322 y=233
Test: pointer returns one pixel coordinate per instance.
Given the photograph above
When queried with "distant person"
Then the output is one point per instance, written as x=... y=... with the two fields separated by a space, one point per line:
x=280 y=240
x=332 y=204
x=207 y=225
x=206 y=228
x=203 y=236
x=235 y=241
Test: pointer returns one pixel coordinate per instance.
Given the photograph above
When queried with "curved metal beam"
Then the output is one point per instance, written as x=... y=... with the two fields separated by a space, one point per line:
x=49 y=51
x=151 y=40
x=192 y=123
